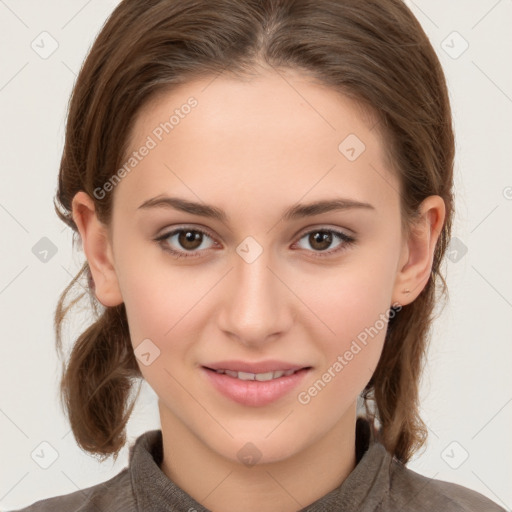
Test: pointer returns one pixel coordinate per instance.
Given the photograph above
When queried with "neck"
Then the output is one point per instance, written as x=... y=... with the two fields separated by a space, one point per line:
x=224 y=485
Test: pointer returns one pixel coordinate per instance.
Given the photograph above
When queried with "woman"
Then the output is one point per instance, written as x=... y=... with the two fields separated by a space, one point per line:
x=263 y=192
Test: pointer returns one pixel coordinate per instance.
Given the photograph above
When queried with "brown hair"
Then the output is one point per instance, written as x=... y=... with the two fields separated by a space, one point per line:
x=374 y=51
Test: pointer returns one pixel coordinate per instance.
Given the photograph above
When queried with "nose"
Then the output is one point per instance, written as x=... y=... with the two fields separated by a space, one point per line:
x=256 y=304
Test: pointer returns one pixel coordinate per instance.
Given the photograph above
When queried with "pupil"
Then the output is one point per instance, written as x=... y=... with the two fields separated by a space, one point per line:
x=322 y=236
x=190 y=237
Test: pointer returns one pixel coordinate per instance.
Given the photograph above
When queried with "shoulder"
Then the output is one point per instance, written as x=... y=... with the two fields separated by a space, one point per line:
x=409 y=491
x=114 y=495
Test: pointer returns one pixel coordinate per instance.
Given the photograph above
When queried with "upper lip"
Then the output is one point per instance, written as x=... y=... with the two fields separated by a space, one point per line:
x=257 y=367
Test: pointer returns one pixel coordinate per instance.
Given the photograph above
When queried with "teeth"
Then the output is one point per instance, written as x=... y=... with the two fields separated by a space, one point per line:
x=257 y=376
x=268 y=375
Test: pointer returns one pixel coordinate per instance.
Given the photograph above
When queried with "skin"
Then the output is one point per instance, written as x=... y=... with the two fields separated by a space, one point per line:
x=255 y=148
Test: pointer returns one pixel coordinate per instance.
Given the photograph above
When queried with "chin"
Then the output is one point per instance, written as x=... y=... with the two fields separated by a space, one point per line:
x=252 y=451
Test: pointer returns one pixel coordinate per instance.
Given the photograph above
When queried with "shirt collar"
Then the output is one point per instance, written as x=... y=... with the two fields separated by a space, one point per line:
x=362 y=490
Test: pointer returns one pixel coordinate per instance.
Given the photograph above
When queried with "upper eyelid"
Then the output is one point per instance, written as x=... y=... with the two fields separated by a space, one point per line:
x=301 y=232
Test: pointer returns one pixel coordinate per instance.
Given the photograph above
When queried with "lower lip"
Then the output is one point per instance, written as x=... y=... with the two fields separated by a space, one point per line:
x=253 y=392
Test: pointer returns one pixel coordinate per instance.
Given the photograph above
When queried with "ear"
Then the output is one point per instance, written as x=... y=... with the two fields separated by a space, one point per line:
x=417 y=254
x=98 y=250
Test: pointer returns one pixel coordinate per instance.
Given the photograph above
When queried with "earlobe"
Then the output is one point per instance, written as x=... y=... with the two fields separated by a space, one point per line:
x=417 y=254
x=97 y=249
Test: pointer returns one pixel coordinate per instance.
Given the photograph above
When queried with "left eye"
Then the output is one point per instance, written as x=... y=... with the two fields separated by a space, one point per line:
x=321 y=239
x=192 y=239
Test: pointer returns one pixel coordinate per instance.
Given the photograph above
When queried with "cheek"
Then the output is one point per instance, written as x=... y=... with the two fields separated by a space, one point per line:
x=153 y=319
x=163 y=307
x=348 y=299
x=350 y=352
x=348 y=313
x=156 y=321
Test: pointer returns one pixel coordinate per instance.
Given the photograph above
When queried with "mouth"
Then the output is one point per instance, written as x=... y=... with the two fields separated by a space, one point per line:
x=261 y=377
x=267 y=383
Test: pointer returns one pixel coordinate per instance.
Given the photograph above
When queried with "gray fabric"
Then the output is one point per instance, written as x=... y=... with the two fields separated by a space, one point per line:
x=378 y=483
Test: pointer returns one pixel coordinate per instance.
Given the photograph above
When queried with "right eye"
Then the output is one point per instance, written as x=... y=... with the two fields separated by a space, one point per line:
x=189 y=239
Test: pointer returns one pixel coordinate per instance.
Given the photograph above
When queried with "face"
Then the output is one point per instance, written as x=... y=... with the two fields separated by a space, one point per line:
x=311 y=291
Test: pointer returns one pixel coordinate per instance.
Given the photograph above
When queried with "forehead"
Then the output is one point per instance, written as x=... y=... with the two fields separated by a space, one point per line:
x=285 y=99
x=279 y=132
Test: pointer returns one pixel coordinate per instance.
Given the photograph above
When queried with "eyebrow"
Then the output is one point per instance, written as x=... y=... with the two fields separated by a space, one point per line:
x=297 y=211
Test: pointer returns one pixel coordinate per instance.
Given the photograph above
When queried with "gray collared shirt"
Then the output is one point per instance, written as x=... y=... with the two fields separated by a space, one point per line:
x=378 y=483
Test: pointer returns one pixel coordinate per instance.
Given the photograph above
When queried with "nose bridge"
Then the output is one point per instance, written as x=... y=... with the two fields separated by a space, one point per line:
x=256 y=307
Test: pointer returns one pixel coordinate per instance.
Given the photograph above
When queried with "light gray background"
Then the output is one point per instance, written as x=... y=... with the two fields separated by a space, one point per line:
x=467 y=388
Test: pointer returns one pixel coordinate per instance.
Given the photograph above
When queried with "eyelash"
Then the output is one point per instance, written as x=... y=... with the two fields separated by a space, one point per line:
x=347 y=242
